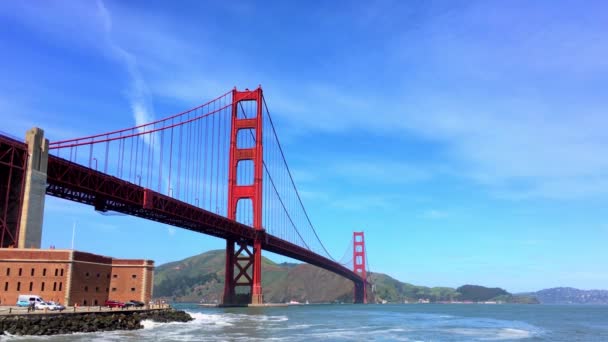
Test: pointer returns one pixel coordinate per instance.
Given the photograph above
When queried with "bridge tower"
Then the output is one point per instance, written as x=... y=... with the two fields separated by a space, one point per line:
x=247 y=263
x=30 y=225
x=359 y=266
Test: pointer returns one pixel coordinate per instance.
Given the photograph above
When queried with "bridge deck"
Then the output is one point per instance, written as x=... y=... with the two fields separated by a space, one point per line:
x=81 y=184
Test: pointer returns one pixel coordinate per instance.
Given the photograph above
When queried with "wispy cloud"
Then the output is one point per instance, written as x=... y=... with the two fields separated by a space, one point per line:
x=138 y=92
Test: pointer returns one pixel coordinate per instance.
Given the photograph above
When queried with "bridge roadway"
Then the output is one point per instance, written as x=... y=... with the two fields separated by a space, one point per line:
x=78 y=183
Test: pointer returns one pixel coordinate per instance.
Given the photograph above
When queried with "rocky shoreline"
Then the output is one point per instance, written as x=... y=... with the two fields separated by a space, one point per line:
x=67 y=323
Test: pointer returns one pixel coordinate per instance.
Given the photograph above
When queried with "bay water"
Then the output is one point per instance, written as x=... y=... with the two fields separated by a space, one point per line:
x=405 y=322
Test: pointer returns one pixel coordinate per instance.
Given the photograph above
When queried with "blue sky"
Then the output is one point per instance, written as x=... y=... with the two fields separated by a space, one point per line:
x=467 y=139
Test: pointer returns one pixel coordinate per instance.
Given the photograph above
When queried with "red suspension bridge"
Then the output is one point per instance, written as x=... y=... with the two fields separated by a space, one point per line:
x=216 y=169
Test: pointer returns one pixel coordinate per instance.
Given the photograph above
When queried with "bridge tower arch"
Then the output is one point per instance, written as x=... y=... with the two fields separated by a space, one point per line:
x=359 y=267
x=246 y=262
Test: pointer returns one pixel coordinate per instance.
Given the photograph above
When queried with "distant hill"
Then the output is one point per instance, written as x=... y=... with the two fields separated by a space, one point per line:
x=394 y=291
x=569 y=295
x=201 y=277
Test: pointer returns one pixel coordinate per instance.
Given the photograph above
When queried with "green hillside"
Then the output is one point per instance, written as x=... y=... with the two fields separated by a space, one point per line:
x=201 y=277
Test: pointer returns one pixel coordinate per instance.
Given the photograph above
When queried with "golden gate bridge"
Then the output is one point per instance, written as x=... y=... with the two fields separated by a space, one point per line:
x=217 y=169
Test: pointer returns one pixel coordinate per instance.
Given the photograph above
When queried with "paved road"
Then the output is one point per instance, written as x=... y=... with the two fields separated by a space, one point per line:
x=15 y=310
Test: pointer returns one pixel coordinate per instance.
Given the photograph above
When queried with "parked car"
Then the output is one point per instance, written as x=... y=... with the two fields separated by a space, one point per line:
x=48 y=306
x=114 y=304
x=135 y=303
x=57 y=306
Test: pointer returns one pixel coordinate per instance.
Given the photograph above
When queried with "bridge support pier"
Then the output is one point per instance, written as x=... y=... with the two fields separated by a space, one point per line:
x=243 y=270
x=256 y=291
x=360 y=293
x=30 y=227
x=229 y=283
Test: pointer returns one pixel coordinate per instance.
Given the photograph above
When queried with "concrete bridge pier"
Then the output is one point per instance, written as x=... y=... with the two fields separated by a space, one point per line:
x=30 y=228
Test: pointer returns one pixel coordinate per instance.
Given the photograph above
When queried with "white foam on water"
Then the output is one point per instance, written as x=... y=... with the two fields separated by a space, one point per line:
x=297 y=326
x=271 y=318
x=492 y=334
x=353 y=334
x=213 y=319
x=511 y=334
x=149 y=324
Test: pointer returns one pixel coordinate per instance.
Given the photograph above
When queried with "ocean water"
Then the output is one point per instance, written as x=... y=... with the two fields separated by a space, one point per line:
x=412 y=322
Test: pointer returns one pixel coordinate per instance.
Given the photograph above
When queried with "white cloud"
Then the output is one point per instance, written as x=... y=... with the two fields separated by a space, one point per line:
x=137 y=93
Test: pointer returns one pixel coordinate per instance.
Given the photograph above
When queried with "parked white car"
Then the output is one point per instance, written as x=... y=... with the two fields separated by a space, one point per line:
x=58 y=306
x=48 y=306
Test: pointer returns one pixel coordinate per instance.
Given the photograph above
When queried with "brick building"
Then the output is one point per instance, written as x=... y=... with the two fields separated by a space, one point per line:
x=71 y=277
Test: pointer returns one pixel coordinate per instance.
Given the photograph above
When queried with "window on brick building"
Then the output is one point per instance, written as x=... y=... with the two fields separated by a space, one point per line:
x=20 y=271
x=98 y=275
x=84 y=302
x=107 y=289
x=108 y=276
x=95 y=302
x=62 y=272
x=134 y=276
x=6 y=286
x=44 y=272
x=86 y=274
x=42 y=286
x=86 y=289
x=31 y=285
x=56 y=272
x=132 y=289
x=115 y=275
x=113 y=289
x=54 y=286
x=18 y=286
x=8 y=271
x=96 y=289
x=60 y=284
x=32 y=273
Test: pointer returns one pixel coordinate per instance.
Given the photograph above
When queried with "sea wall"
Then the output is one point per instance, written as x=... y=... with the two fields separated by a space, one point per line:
x=67 y=323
